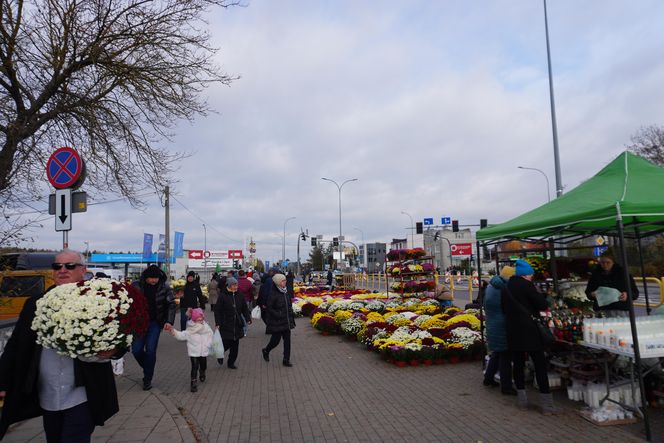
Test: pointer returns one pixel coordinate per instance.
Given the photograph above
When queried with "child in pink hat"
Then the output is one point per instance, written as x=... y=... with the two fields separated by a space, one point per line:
x=198 y=336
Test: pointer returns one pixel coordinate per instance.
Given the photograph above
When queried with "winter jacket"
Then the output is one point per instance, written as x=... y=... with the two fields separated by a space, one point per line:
x=229 y=312
x=198 y=336
x=193 y=296
x=290 y=284
x=164 y=299
x=246 y=289
x=522 y=333
x=614 y=279
x=19 y=375
x=213 y=291
x=495 y=318
x=279 y=312
x=265 y=291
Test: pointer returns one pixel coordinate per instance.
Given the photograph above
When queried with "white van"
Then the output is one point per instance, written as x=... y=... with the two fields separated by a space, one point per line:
x=115 y=274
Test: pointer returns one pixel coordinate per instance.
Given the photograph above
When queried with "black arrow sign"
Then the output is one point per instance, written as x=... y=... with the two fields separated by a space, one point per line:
x=63 y=215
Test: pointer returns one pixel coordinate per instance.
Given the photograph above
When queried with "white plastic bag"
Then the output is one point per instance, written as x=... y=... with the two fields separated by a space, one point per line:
x=118 y=366
x=256 y=313
x=217 y=346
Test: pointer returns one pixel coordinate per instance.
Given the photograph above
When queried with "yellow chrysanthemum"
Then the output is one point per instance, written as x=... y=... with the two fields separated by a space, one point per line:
x=470 y=319
x=341 y=316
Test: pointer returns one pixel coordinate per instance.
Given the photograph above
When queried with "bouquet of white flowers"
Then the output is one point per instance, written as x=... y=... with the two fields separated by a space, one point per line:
x=85 y=318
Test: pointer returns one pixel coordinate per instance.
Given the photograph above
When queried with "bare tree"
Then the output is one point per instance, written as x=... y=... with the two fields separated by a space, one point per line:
x=648 y=142
x=108 y=77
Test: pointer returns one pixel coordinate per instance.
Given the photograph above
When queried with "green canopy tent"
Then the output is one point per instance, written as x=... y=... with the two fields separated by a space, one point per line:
x=629 y=186
x=626 y=193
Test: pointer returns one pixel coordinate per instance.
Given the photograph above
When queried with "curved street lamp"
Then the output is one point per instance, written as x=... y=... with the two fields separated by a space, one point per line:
x=548 y=193
x=412 y=235
x=283 y=247
x=339 y=188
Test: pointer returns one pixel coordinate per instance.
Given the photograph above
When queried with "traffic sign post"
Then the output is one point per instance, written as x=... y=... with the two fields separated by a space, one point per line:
x=65 y=171
x=63 y=210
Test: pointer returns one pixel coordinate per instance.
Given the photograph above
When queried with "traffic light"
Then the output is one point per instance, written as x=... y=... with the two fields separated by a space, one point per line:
x=455 y=225
x=335 y=241
x=418 y=228
x=304 y=237
x=483 y=223
x=313 y=241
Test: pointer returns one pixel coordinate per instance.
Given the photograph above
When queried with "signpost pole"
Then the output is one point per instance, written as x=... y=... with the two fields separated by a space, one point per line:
x=167 y=243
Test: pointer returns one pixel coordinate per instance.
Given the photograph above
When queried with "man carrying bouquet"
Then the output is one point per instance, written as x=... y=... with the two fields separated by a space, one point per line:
x=72 y=395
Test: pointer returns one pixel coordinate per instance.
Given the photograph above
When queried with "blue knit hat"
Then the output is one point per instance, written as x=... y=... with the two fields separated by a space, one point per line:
x=523 y=268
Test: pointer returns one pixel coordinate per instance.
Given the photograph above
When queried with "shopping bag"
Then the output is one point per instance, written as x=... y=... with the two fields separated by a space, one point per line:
x=256 y=313
x=217 y=346
x=118 y=366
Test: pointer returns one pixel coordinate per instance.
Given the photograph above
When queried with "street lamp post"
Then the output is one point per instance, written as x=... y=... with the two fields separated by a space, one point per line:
x=364 y=248
x=283 y=247
x=205 y=252
x=412 y=234
x=548 y=193
x=554 y=126
x=339 y=188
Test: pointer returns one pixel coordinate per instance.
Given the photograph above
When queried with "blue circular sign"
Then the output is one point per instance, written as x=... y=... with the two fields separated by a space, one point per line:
x=64 y=168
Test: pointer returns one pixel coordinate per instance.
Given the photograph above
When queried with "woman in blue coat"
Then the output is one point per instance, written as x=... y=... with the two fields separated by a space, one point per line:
x=496 y=335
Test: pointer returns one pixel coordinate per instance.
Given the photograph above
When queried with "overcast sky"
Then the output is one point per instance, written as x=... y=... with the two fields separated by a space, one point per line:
x=431 y=105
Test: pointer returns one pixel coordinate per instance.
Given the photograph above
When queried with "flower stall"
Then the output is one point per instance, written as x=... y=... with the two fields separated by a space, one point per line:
x=411 y=270
x=403 y=330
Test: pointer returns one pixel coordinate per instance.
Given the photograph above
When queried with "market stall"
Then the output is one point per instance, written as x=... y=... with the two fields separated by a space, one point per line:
x=623 y=200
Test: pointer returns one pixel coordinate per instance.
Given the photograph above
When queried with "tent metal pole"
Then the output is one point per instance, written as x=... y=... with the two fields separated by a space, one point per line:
x=554 y=266
x=643 y=271
x=481 y=300
x=632 y=322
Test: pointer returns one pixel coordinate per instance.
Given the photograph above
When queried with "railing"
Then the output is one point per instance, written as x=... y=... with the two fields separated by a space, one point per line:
x=377 y=282
x=6 y=329
x=653 y=302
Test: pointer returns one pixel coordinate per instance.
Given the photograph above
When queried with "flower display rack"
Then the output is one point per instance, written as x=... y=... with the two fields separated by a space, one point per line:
x=411 y=271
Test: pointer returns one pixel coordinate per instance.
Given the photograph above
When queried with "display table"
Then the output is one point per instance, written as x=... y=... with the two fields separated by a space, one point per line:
x=645 y=371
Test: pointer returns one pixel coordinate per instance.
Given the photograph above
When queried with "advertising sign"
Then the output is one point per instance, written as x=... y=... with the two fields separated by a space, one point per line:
x=201 y=259
x=178 y=244
x=461 y=249
x=147 y=246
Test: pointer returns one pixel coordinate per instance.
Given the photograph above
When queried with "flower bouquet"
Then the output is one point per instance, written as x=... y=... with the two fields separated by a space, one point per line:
x=85 y=318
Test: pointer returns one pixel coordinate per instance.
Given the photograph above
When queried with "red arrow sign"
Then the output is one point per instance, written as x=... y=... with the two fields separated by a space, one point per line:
x=235 y=253
x=461 y=249
x=196 y=253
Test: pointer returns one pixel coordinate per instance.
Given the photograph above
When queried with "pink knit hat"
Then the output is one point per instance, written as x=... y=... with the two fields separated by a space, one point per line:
x=197 y=314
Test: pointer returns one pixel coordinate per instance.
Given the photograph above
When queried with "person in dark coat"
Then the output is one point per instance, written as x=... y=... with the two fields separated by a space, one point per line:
x=496 y=334
x=72 y=395
x=231 y=314
x=290 y=284
x=521 y=301
x=161 y=309
x=264 y=292
x=279 y=319
x=191 y=299
x=329 y=277
x=611 y=275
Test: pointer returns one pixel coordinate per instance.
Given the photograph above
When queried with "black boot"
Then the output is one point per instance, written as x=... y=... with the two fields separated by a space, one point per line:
x=194 y=386
x=220 y=361
x=287 y=363
x=202 y=376
x=266 y=354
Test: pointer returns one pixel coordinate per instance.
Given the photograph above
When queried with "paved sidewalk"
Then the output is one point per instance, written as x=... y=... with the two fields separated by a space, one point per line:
x=336 y=392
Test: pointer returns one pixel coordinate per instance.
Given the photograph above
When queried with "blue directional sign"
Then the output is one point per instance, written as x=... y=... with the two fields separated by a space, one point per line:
x=599 y=249
x=446 y=221
x=428 y=221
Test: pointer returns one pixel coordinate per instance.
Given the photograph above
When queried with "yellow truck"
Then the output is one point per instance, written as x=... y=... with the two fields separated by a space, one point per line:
x=18 y=283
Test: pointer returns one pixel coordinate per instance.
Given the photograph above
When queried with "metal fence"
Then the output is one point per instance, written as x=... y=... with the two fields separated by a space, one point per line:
x=6 y=329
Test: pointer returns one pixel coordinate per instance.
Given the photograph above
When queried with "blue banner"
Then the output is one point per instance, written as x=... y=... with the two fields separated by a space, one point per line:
x=125 y=258
x=147 y=246
x=161 y=252
x=178 y=244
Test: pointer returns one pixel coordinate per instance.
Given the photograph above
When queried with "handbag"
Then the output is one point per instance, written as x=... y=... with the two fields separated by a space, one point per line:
x=256 y=313
x=217 y=345
x=545 y=334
